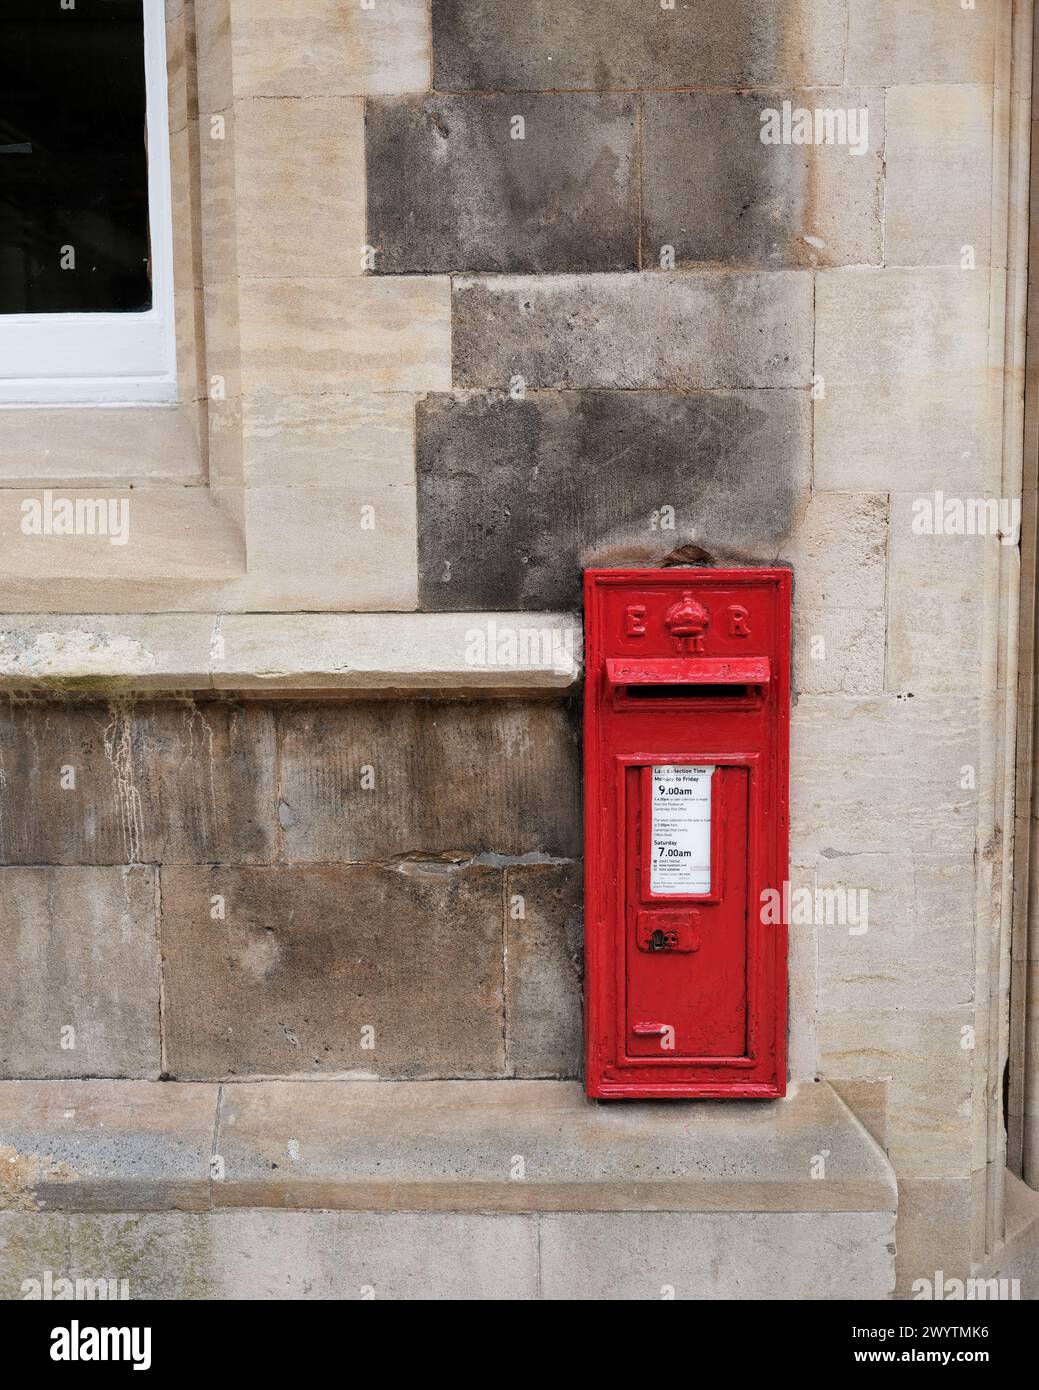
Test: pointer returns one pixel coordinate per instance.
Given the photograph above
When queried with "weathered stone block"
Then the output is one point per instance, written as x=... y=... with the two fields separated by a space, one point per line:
x=451 y=1146
x=451 y=187
x=883 y=774
x=839 y=651
x=369 y=781
x=937 y=620
x=931 y=218
x=903 y=357
x=122 y=783
x=713 y=191
x=299 y=1255
x=373 y=970
x=893 y=41
x=682 y=331
x=705 y=1255
x=30 y=1244
x=544 y=957
x=928 y=1056
x=503 y=45
x=516 y=496
x=108 y=1145
x=80 y=991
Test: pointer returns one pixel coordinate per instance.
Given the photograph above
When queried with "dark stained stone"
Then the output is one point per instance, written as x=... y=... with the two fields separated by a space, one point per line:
x=449 y=188
x=306 y=959
x=679 y=331
x=169 y=781
x=530 y=45
x=372 y=780
x=516 y=496
x=544 y=970
x=714 y=193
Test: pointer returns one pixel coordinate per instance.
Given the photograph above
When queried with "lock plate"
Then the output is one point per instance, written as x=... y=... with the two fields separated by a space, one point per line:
x=668 y=931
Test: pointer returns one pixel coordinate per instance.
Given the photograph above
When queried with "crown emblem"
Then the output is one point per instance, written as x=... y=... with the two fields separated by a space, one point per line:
x=687 y=621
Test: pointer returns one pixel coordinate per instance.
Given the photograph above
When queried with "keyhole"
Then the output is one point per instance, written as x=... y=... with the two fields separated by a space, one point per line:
x=657 y=941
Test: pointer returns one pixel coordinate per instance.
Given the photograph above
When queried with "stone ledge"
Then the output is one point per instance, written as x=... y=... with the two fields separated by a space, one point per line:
x=446 y=1146
x=295 y=653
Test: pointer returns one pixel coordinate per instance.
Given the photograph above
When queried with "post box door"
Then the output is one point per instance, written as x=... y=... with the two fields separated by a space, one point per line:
x=686 y=895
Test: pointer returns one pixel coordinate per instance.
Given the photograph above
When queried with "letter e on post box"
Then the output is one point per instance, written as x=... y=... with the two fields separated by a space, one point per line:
x=687 y=730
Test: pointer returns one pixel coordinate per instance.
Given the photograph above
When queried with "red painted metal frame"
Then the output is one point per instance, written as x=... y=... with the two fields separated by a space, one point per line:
x=747 y=728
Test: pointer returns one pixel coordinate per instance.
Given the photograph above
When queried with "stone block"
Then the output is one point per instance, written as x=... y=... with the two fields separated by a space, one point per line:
x=898 y=932
x=524 y=45
x=927 y=1057
x=166 y=651
x=933 y=1232
x=108 y=1145
x=839 y=651
x=30 y=1244
x=904 y=361
x=450 y=187
x=380 y=971
x=307 y=337
x=289 y=222
x=712 y=191
x=167 y=1256
x=929 y=217
x=367 y=781
x=516 y=496
x=544 y=959
x=883 y=773
x=936 y=623
x=677 y=331
x=428 y=654
x=310 y=1255
x=839 y=552
x=80 y=992
x=893 y=41
x=321 y=48
x=347 y=548
x=329 y=440
x=142 y=783
x=539 y=1146
x=750 y=1255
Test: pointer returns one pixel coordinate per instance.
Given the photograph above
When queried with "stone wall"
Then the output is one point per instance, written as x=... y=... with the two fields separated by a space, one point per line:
x=207 y=891
x=521 y=280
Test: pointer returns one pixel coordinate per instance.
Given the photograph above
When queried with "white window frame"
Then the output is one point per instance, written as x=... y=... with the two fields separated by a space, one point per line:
x=76 y=359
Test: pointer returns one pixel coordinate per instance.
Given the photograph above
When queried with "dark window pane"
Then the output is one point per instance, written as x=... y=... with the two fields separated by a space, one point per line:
x=73 y=158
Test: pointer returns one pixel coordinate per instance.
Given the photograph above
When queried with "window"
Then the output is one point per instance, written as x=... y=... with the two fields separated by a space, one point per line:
x=86 y=283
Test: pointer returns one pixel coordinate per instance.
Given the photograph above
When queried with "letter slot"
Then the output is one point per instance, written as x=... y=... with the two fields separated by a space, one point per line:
x=686 y=827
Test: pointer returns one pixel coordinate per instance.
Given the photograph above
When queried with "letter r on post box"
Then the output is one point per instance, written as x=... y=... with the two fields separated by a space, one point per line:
x=687 y=720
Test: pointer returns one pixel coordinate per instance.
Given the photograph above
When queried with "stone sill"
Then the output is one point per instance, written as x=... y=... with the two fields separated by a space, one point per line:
x=290 y=654
x=121 y=1146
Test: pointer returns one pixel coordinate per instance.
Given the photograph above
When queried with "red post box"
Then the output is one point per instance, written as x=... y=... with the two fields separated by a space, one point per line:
x=687 y=716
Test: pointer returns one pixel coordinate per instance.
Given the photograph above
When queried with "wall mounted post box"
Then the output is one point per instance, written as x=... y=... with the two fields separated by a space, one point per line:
x=687 y=715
